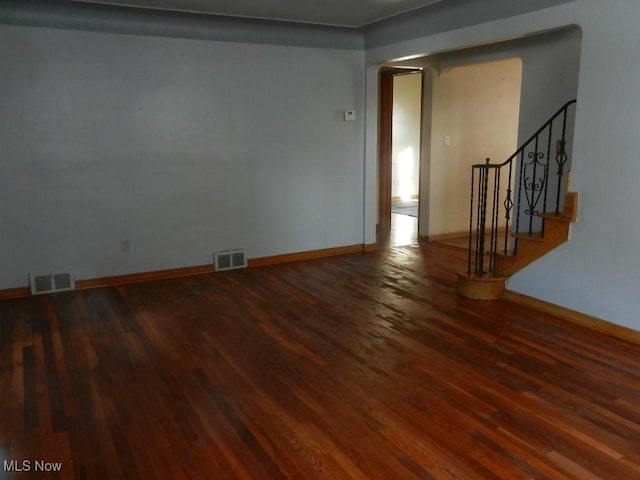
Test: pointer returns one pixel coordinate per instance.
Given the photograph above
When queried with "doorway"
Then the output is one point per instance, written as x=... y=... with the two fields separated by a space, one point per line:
x=399 y=162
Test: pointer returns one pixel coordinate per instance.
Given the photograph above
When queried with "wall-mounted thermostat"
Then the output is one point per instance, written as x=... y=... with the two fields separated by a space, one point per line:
x=349 y=115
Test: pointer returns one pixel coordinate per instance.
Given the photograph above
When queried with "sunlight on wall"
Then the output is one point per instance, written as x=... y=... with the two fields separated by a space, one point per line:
x=475 y=116
x=406 y=181
x=407 y=95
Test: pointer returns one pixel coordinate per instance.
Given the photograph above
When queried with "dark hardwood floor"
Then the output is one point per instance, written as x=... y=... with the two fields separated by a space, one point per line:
x=364 y=366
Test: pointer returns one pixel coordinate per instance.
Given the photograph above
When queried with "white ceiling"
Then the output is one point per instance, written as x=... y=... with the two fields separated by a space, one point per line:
x=346 y=13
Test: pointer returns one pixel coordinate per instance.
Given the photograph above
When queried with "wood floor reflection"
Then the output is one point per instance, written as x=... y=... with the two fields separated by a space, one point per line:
x=403 y=231
x=364 y=366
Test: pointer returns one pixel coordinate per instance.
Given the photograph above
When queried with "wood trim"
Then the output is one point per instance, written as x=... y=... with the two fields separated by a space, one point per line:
x=144 y=276
x=571 y=206
x=308 y=255
x=15 y=293
x=445 y=236
x=385 y=125
x=370 y=247
x=480 y=287
x=196 y=270
x=579 y=318
x=453 y=235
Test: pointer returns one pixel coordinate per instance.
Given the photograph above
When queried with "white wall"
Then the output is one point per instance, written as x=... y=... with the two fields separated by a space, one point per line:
x=597 y=272
x=182 y=147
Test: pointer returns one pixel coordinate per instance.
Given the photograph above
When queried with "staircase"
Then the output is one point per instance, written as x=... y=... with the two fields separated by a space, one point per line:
x=520 y=209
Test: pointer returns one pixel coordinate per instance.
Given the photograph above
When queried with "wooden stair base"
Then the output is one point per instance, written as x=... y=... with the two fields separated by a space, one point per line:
x=480 y=287
x=530 y=248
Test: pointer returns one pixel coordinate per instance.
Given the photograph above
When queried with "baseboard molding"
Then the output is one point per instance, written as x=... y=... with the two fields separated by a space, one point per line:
x=308 y=255
x=444 y=236
x=196 y=270
x=453 y=235
x=583 y=319
x=144 y=276
x=370 y=247
x=15 y=293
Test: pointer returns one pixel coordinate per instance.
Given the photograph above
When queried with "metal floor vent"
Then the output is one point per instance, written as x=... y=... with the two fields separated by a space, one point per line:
x=230 y=259
x=51 y=282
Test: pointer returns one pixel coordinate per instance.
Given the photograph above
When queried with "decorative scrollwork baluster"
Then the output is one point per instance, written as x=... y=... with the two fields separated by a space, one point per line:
x=533 y=183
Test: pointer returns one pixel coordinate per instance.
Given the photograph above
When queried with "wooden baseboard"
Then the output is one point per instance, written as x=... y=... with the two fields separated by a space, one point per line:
x=14 y=293
x=308 y=255
x=445 y=236
x=453 y=235
x=144 y=276
x=196 y=270
x=370 y=247
x=583 y=319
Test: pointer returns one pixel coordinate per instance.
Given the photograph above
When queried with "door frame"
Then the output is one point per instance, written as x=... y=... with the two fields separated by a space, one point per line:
x=385 y=146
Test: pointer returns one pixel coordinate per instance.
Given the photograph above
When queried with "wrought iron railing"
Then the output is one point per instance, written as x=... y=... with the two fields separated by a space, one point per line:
x=509 y=197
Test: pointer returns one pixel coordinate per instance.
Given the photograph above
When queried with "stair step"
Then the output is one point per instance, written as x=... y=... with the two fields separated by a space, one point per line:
x=480 y=287
x=556 y=216
x=534 y=236
x=509 y=256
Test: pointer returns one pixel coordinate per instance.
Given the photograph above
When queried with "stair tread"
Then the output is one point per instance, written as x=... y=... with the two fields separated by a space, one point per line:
x=506 y=256
x=556 y=216
x=534 y=236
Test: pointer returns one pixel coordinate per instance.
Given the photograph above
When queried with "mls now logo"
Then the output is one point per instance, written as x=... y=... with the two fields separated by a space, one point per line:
x=28 y=466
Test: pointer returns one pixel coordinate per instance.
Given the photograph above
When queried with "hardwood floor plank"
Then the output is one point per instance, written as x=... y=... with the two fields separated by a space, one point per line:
x=358 y=367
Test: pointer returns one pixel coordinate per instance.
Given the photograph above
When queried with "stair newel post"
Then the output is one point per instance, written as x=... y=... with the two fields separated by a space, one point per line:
x=561 y=154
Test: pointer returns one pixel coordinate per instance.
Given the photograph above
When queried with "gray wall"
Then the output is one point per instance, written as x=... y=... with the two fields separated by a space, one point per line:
x=104 y=138
x=183 y=147
x=446 y=16
x=72 y=15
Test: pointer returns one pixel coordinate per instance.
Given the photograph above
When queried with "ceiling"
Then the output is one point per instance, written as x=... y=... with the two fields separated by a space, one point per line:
x=344 y=13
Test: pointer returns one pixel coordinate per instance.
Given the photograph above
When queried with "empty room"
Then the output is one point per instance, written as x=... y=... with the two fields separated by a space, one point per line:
x=197 y=278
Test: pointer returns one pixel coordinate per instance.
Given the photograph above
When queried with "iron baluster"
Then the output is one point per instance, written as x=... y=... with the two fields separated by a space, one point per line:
x=546 y=168
x=494 y=216
x=508 y=205
x=561 y=159
x=519 y=202
x=473 y=173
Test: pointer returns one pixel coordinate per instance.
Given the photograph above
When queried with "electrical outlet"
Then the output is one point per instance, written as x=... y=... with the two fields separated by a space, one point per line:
x=125 y=246
x=447 y=141
x=349 y=115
